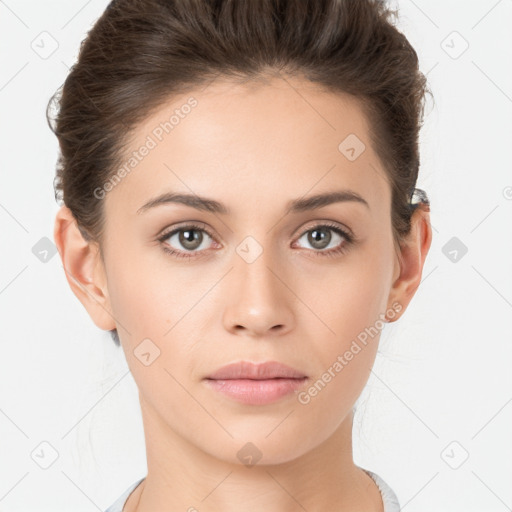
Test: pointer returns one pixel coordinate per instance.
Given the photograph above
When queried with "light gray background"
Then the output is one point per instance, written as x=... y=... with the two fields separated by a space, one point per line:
x=441 y=386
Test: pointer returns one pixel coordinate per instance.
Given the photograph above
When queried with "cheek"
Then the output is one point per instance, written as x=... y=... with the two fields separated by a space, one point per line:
x=152 y=304
x=149 y=299
x=347 y=354
x=351 y=303
x=160 y=308
x=352 y=296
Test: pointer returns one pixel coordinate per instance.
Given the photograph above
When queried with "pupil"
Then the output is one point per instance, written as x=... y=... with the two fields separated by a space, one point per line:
x=320 y=238
x=190 y=237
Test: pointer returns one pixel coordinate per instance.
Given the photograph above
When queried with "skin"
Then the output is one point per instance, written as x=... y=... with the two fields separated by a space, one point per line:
x=252 y=147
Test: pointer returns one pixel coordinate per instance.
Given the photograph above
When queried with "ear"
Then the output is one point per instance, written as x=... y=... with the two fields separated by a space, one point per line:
x=84 y=269
x=411 y=256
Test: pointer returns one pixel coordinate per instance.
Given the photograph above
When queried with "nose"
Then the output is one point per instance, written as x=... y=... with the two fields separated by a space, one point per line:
x=260 y=299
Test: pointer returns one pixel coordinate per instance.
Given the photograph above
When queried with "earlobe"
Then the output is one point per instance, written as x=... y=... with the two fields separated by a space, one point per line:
x=413 y=253
x=83 y=268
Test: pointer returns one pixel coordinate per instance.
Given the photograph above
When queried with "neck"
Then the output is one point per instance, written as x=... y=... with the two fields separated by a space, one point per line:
x=183 y=477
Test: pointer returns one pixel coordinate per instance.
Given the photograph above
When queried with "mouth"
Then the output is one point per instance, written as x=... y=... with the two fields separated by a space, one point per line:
x=256 y=384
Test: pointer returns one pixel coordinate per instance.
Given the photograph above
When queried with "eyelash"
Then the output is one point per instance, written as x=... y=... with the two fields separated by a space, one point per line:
x=342 y=248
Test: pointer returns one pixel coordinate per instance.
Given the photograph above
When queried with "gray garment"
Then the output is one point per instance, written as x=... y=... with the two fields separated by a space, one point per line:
x=118 y=505
x=388 y=496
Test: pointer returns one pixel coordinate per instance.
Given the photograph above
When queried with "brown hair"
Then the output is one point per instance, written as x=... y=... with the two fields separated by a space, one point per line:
x=141 y=52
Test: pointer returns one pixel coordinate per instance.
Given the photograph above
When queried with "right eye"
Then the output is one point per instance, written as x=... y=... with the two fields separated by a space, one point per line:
x=189 y=239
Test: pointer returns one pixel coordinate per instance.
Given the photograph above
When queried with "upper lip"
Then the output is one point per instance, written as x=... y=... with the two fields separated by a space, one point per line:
x=256 y=371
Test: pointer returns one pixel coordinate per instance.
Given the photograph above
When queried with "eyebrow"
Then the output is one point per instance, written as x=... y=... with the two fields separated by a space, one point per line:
x=293 y=206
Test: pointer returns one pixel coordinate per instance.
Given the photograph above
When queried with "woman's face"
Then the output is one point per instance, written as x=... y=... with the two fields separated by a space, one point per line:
x=255 y=279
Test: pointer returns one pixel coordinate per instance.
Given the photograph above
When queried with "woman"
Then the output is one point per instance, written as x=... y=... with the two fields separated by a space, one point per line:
x=239 y=210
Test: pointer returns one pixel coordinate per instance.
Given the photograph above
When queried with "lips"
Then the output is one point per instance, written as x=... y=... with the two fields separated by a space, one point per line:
x=261 y=371
x=256 y=384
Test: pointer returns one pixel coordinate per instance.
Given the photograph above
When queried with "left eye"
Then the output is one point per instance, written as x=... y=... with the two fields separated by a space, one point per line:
x=321 y=236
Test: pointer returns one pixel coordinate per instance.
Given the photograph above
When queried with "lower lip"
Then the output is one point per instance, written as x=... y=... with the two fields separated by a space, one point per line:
x=256 y=392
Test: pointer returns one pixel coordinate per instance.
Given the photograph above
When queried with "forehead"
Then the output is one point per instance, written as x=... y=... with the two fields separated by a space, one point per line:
x=266 y=138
